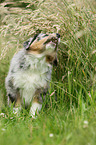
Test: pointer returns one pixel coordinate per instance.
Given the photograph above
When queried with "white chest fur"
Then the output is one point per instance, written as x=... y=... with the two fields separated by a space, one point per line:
x=35 y=75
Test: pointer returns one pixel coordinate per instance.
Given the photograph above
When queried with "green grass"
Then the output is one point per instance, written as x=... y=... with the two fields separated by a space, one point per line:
x=68 y=127
x=71 y=118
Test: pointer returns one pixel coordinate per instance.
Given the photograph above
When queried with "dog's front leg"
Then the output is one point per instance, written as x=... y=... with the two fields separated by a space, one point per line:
x=35 y=107
x=38 y=99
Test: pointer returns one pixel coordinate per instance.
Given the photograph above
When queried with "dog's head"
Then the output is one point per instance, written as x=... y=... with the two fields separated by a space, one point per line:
x=44 y=45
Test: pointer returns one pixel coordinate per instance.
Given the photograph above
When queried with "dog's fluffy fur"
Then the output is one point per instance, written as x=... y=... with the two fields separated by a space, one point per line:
x=30 y=71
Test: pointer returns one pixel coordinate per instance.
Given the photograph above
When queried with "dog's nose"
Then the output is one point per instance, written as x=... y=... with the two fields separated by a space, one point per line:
x=58 y=35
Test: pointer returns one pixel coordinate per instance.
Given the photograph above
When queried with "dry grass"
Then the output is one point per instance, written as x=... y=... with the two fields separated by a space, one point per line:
x=69 y=18
x=74 y=20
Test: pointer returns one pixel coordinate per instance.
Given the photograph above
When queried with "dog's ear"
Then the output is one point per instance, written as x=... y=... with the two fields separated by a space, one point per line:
x=29 y=42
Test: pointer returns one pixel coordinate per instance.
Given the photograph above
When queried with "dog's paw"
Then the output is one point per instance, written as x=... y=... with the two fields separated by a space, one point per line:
x=16 y=110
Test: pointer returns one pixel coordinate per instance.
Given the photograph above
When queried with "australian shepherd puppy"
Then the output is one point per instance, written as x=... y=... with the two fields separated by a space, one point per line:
x=30 y=71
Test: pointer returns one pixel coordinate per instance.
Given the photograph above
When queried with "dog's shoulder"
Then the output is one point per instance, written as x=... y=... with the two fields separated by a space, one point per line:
x=17 y=60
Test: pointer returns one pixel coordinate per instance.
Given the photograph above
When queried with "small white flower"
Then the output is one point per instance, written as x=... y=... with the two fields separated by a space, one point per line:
x=3 y=129
x=2 y=114
x=85 y=124
x=51 y=135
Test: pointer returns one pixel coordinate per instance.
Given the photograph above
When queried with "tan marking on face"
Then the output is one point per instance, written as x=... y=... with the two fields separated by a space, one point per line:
x=51 y=57
x=38 y=47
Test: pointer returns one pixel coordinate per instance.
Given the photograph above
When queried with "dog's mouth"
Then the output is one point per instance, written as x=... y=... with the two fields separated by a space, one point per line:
x=52 y=42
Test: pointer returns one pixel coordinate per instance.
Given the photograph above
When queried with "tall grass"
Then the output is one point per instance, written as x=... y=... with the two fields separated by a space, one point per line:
x=75 y=21
x=72 y=94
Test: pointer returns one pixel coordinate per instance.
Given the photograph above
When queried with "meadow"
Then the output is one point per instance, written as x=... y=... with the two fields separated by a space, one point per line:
x=70 y=118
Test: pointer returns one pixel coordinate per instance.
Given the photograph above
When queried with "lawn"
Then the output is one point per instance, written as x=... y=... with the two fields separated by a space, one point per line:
x=70 y=116
x=55 y=126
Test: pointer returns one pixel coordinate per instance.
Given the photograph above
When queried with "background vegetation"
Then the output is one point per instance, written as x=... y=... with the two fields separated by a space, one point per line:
x=71 y=119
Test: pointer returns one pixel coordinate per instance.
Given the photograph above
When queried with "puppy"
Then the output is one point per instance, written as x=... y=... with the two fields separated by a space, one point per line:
x=30 y=72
